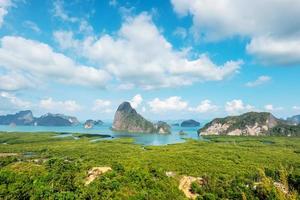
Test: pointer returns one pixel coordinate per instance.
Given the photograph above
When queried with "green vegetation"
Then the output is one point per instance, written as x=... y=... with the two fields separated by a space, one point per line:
x=285 y=130
x=42 y=166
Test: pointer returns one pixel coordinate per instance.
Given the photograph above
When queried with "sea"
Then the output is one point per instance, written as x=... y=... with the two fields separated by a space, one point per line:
x=105 y=129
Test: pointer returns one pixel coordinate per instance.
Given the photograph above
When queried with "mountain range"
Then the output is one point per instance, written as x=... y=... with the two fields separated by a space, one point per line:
x=26 y=118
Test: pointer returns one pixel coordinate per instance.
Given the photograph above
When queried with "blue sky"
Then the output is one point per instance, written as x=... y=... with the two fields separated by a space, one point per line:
x=171 y=59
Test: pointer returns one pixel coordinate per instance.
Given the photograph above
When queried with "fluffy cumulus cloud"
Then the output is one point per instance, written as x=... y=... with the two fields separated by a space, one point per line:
x=276 y=51
x=11 y=103
x=136 y=101
x=237 y=106
x=101 y=105
x=158 y=64
x=273 y=26
x=38 y=60
x=174 y=103
x=4 y=6
x=51 y=105
x=204 y=107
x=259 y=81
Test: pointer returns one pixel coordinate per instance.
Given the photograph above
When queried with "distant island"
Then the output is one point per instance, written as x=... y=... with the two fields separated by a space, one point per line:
x=26 y=118
x=294 y=120
x=250 y=124
x=91 y=123
x=127 y=119
x=190 y=123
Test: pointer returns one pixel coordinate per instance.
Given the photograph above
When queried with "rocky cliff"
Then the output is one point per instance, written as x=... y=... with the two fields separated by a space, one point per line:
x=127 y=119
x=252 y=123
x=21 y=118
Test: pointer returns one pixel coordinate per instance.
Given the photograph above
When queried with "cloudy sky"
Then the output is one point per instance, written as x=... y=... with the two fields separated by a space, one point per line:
x=171 y=59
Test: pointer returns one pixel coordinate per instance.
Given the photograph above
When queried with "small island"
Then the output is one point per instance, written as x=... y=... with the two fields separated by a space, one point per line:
x=190 y=123
x=91 y=123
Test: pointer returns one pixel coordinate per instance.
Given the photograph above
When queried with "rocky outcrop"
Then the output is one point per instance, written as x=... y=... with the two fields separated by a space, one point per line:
x=56 y=120
x=252 y=123
x=91 y=123
x=21 y=118
x=190 y=123
x=163 y=127
x=127 y=119
x=294 y=120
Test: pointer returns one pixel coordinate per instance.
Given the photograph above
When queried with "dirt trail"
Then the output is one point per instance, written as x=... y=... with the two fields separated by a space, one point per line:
x=8 y=154
x=95 y=172
x=185 y=185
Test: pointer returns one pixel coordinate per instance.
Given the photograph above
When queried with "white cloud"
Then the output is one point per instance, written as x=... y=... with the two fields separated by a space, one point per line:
x=158 y=65
x=270 y=107
x=9 y=102
x=102 y=106
x=174 y=103
x=296 y=107
x=241 y=17
x=278 y=51
x=125 y=86
x=136 y=101
x=204 y=107
x=39 y=60
x=4 y=6
x=237 y=106
x=66 y=40
x=180 y=32
x=259 y=81
x=51 y=105
x=273 y=26
x=85 y=27
x=14 y=81
x=31 y=25
x=59 y=12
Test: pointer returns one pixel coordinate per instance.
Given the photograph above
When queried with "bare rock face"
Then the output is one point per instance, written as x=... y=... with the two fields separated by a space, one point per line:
x=127 y=119
x=251 y=123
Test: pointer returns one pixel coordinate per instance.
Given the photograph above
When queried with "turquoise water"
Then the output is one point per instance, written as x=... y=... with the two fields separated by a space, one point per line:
x=144 y=139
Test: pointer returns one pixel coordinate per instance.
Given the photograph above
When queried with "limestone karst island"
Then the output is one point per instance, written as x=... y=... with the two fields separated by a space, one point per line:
x=149 y=100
